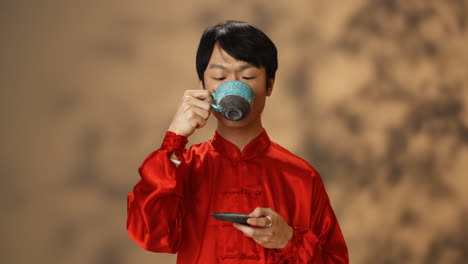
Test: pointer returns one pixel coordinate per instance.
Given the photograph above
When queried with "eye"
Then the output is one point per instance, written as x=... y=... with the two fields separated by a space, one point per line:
x=219 y=79
x=248 y=78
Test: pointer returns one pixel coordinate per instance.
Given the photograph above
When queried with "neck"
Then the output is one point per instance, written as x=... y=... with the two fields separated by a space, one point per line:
x=240 y=136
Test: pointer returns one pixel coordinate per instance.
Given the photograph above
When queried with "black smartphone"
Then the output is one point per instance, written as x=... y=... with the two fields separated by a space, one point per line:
x=232 y=217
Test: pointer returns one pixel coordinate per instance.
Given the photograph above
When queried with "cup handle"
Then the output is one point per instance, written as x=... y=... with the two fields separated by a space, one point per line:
x=213 y=106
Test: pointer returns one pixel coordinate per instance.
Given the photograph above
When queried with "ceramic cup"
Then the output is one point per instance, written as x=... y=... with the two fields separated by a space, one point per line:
x=233 y=99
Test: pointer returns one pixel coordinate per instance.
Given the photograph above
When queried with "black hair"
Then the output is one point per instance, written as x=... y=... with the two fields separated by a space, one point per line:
x=240 y=40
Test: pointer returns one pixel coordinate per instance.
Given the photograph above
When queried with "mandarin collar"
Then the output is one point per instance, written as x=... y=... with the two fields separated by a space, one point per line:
x=255 y=147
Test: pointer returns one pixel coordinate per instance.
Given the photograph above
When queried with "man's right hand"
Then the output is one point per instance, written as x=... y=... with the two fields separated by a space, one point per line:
x=192 y=113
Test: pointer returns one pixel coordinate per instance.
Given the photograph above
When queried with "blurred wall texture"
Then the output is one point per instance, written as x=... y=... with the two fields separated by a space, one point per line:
x=372 y=93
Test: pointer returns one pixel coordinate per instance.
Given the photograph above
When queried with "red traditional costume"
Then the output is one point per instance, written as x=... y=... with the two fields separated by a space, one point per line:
x=169 y=208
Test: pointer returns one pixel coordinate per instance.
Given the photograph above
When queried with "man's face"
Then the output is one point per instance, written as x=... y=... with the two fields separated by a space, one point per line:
x=222 y=68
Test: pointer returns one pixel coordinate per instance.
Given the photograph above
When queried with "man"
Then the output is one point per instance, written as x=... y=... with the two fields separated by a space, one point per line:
x=240 y=170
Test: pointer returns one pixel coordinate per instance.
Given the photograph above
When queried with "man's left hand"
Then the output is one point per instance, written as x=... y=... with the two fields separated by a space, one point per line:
x=276 y=235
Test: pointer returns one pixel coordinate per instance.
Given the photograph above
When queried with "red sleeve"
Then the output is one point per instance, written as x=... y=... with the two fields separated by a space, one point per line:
x=154 y=208
x=322 y=241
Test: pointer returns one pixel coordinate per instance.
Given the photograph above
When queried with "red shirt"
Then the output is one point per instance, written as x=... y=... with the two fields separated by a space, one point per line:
x=169 y=208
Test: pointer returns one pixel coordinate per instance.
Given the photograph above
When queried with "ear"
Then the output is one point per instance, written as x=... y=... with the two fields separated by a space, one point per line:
x=270 y=83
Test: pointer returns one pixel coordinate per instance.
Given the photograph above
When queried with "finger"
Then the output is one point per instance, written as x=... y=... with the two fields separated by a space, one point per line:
x=265 y=244
x=190 y=112
x=267 y=237
x=252 y=232
x=195 y=120
x=262 y=240
x=200 y=94
x=197 y=102
x=200 y=112
x=258 y=221
x=261 y=211
x=247 y=230
x=200 y=124
x=244 y=229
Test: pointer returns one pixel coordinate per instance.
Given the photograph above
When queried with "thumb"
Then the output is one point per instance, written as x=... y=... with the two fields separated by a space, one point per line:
x=260 y=211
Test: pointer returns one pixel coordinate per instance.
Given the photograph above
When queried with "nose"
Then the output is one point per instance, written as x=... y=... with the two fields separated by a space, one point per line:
x=233 y=77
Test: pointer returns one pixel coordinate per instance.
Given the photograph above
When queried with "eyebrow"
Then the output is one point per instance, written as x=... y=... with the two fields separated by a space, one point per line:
x=219 y=66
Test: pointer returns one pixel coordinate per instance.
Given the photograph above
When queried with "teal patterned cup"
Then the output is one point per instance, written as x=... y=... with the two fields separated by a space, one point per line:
x=233 y=99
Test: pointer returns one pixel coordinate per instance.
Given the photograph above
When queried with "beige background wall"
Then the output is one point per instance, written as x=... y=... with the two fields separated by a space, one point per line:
x=372 y=93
